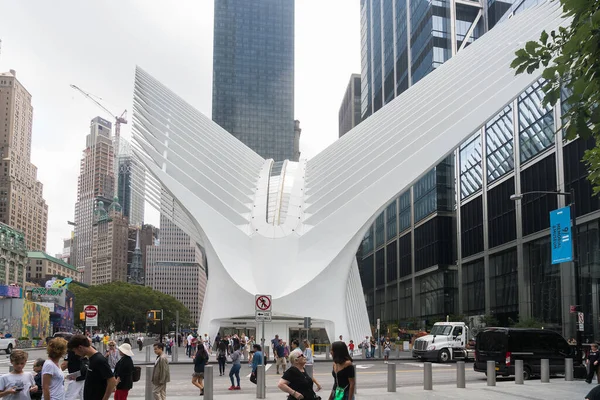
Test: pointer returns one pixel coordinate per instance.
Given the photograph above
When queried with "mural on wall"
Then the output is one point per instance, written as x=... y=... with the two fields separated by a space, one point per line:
x=11 y=325
x=35 y=321
x=62 y=317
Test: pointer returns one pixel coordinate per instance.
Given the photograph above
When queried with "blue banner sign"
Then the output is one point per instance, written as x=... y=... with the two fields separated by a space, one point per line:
x=560 y=235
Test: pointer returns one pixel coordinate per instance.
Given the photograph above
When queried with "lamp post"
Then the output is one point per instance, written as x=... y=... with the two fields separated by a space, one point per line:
x=571 y=195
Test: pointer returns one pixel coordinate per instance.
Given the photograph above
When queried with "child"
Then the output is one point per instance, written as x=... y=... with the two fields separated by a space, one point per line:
x=37 y=368
x=17 y=385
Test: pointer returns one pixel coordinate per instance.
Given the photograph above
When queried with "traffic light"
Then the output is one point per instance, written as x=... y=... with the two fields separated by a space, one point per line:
x=82 y=316
x=307 y=322
x=154 y=315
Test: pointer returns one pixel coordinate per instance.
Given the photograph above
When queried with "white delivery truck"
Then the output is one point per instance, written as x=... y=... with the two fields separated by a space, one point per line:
x=447 y=341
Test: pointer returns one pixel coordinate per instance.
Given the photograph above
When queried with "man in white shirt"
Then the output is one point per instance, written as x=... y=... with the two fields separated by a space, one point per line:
x=188 y=348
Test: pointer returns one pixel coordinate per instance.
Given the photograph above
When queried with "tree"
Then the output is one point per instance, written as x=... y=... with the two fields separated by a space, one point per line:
x=571 y=61
x=529 y=323
x=123 y=306
x=489 y=320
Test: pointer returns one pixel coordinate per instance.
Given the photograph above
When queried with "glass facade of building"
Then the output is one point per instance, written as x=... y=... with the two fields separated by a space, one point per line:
x=454 y=242
x=253 y=74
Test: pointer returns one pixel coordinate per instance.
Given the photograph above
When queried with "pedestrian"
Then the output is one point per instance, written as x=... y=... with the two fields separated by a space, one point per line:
x=207 y=342
x=280 y=357
x=387 y=349
x=351 y=347
x=295 y=345
x=296 y=382
x=126 y=340
x=257 y=359
x=124 y=372
x=99 y=380
x=373 y=344
x=365 y=346
x=179 y=340
x=161 y=374
x=17 y=385
x=200 y=361
x=235 y=367
x=37 y=368
x=244 y=346
x=222 y=355
x=341 y=338
x=308 y=352
x=592 y=363
x=140 y=342
x=594 y=394
x=77 y=368
x=188 y=347
x=217 y=341
x=112 y=354
x=343 y=373
x=52 y=376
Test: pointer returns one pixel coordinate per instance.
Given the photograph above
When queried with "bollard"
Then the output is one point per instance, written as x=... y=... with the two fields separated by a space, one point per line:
x=545 y=370
x=309 y=369
x=208 y=382
x=260 y=382
x=148 y=353
x=460 y=375
x=519 y=372
x=266 y=350
x=148 y=394
x=568 y=369
x=364 y=353
x=355 y=379
x=391 y=377
x=397 y=352
x=175 y=356
x=427 y=378
x=491 y=373
x=327 y=355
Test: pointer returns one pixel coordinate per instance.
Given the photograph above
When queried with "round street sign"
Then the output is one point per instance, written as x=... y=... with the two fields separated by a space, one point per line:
x=90 y=311
x=263 y=302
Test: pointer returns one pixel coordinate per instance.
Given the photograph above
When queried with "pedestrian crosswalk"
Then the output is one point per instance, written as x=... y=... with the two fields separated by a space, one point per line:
x=420 y=365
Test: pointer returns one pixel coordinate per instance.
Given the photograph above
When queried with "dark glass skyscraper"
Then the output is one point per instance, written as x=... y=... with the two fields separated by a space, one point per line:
x=253 y=74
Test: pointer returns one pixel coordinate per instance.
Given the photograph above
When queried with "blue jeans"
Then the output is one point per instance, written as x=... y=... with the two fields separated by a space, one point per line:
x=372 y=352
x=235 y=370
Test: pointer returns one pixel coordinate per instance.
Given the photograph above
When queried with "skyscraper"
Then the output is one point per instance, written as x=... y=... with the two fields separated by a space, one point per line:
x=109 y=244
x=22 y=205
x=253 y=74
x=349 y=115
x=130 y=188
x=95 y=182
x=177 y=267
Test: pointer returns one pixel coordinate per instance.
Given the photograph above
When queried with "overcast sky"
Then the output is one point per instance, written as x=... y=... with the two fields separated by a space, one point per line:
x=96 y=45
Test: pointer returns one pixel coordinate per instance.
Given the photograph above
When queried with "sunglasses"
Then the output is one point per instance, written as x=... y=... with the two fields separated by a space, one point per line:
x=300 y=356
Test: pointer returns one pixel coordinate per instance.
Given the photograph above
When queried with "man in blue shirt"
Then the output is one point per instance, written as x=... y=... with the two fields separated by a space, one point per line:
x=280 y=356
x=257 y=358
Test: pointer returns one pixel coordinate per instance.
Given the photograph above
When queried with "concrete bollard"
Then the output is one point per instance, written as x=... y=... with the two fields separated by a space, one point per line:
x=427 y=376
x=148 y=395
x=355 y=379
x=460 y=375
x=148 y=353
x=545 y=370
x=327 y=355
x=260 y=382
x=519 y=372
x=208 y=382
x=491 y=373
x=391 y=378
x=364 y=353
x=175 y=356
x=568 y=369
x=309 y=369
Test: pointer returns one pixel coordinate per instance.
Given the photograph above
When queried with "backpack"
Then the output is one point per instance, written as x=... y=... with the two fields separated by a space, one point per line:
x=137 y=373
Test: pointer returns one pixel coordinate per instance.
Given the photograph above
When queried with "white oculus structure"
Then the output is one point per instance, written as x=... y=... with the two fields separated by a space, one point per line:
x=291 y=229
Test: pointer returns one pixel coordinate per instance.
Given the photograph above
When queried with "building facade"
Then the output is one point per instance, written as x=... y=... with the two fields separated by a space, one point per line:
x=176 y=266
x=41 y=267
x=109 y=244
x=96 y=182
x=130 y=188
x=349 y=115
x=253 y=74
x=13 y=256
x=22 y=205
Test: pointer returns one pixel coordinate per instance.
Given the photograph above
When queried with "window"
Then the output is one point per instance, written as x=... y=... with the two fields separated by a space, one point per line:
x=404 y=203
x=499 y=143
x=504 y=283
x=473 y=282
x=470 y=166
x=471 y=219
x=501 y=214
x=541 y=176
x=391 y=220
x=536 y=122
x=392 y=262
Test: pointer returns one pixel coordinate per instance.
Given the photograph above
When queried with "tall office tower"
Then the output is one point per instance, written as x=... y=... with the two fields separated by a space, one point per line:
x=135 y=273
x=109 y=244
x=130 y=188
x=141 y=237
x=22 y=205
x=253 y=74
x=177 y=267
x=349 y=115
x=95 y=183
x=404 y=40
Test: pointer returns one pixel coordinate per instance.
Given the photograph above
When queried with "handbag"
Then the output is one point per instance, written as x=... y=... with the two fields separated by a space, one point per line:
x=339 y=391
x=253 y=377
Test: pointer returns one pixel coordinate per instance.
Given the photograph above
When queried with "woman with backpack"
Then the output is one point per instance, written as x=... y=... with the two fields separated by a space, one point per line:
x=124 y=372
x=200 y=360
x=222 y=355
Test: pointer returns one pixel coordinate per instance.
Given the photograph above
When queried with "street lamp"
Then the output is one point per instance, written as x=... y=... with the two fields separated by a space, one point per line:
x=571 y=195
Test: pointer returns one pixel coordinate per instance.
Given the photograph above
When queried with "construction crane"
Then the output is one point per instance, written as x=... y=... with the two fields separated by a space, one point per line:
x=118 y=119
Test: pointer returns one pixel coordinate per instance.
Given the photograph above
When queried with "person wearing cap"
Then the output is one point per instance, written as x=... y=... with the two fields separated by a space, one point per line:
x=124 y=372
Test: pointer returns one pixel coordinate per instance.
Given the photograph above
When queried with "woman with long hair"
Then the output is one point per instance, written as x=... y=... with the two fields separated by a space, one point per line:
x=222 y=355
x=124 y=372
x=52 y=376
x=200 y=360
x=236 y=365
x=308 y=352
x=343 y=373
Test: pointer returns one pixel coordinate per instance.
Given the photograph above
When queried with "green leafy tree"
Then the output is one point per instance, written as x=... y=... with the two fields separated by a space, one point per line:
x=571 y=61
x=529 y=323
x=124 y=306
x=489 y=320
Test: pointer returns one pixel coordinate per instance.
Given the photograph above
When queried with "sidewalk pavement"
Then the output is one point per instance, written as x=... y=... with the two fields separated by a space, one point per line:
x=531 y=390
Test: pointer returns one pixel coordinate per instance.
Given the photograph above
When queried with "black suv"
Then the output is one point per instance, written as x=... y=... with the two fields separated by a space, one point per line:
x=505 y=345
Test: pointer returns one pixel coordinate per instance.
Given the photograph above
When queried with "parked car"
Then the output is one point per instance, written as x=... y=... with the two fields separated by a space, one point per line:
x=8 y=344
x=505 y=345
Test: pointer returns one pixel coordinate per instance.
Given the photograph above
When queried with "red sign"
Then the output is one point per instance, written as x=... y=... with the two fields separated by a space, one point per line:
x=90 y=311
x=572 y=309
x=263 y=302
